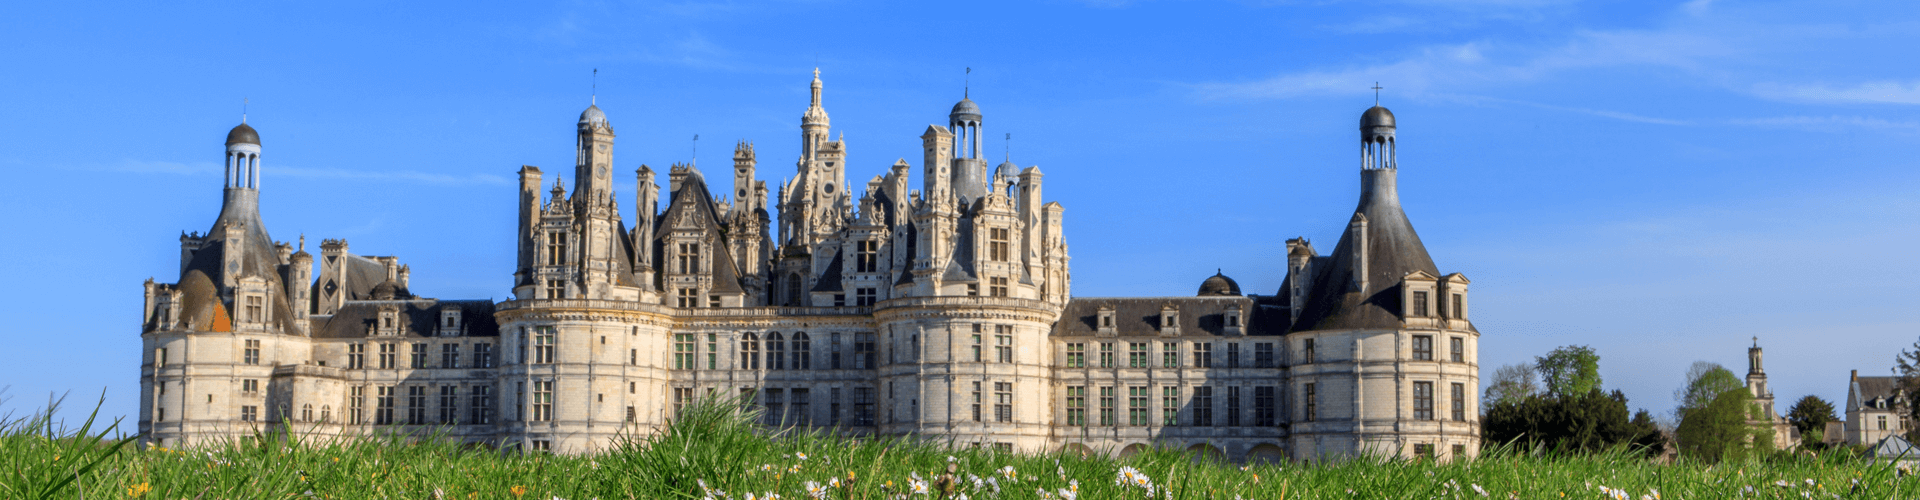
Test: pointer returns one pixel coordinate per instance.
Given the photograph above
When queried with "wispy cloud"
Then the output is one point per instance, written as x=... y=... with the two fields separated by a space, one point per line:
x=1830 y=123
x=1869 y=92
x=407 y=176
x=1617 y=115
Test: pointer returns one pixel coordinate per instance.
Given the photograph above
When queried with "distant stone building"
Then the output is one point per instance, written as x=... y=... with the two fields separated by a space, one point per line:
x=1876 y=409
x=944 y=312
x=1785 y=435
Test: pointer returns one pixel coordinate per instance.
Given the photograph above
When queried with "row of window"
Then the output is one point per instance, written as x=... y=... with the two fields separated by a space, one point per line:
x=1419 y=308
x=386 y=398
x=1199 y=408
x=1423 y=408
x=1140 y=356
x=1422 y=349
x=420 y=354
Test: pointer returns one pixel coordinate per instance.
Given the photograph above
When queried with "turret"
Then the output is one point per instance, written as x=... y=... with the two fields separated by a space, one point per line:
x=593 y=165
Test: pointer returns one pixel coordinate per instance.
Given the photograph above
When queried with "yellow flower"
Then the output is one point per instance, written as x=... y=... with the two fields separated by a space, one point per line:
x=518 y=490
x=138 y=489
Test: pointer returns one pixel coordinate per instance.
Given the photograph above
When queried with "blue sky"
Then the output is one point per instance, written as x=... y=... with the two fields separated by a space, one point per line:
x=1659 y=180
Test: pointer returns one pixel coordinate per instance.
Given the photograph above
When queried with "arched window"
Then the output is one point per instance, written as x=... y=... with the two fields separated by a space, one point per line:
x=749 y=351
x=793 y=290
x=802 y=351
x=326 y=413
x=306 y=413
x=776 y=352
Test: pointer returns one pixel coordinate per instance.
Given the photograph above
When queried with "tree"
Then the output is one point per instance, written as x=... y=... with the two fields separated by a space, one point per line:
x=1511 y=383
x=1810 y=414
x=1705 y=381
x=1718 y=430
x=1570 y=370
x=1907 y=363
x=1582 y=423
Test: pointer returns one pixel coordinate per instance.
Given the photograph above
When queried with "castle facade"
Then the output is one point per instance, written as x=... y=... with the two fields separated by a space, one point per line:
x=942 y=311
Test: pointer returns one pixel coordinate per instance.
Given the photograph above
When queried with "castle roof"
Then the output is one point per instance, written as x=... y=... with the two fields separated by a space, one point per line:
x=1394 y=250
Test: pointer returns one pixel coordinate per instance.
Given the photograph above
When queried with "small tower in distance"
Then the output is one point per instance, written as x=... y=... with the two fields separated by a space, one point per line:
x=1757 y=380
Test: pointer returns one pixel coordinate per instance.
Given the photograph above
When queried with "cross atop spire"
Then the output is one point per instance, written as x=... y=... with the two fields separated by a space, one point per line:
x=243 y=110
x=594 y=97
x=1376 y=93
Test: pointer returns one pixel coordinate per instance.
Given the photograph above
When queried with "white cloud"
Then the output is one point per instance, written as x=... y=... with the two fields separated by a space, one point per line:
x=1827 y=123
x=1869 y=92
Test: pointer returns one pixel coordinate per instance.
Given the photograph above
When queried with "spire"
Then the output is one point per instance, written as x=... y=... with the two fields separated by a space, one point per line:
x=966 y=85
x=593 y=97
x=816 y=88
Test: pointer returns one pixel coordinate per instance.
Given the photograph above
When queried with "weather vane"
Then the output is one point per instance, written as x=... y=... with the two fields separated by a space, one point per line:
x=594 y=98
x=966 y=86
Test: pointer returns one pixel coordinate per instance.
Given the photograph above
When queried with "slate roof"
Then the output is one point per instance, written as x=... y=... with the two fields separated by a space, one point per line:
x=1863 y=390
x=1138 y=316
x=830 y=280
x=1394 y=250
x=422 y=316
x=693 y=196
x=258 y=257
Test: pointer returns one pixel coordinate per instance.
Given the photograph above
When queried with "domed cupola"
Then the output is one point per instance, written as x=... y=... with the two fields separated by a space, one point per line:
x=243 y=134
x=1219 y=285
x=965 y=110
x=593 y=117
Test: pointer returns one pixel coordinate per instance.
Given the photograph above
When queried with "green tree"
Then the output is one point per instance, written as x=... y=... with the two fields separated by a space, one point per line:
x=1511 y=383
x=1719 y=429
x=1705 y=381
x=1570 y=370
x=1907 y=364
x=1810 y=414
x=1584 y=423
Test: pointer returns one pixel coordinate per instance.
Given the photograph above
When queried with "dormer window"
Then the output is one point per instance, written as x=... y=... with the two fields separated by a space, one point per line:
x=689 y=258
x=1169 y=320
x=866 y=256
x=998 y=246
x=1419 y=303
x=1104 y=320
x=1419 y=288
x=1232 y=315
x=556 y=248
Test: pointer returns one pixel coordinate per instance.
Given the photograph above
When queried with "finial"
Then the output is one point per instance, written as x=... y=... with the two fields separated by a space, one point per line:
x=696 y=147
x=966 y=87
x=816 y=73
x=1756 y=341
x=243 y=110
x=1376 y=93
x=1008 y=149
x=303 y=242
x=594 y=98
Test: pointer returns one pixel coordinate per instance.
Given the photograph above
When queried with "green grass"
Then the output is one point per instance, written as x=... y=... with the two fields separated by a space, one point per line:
x=725 y=450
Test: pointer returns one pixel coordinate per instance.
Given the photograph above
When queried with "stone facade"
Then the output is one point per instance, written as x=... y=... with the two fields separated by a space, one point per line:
x=943 y=311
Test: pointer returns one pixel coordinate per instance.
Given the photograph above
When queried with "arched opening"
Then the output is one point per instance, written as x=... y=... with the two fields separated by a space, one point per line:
x=802 y=351
x=776 y=352
x=749 y=351
x=1206 y=453
x=326 y=413
x=306 y=413
x=1077 y=449
x=1132 y=449
x=1266 y=454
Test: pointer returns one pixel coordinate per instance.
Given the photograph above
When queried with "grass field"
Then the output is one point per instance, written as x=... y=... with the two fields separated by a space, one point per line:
x=713 y=452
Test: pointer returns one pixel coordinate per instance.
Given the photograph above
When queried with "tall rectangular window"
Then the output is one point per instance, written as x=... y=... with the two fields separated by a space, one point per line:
x=1459 y=308
x=542 y=401
x=1003 y=342
x=383 y=409
x=449 y=404
x=1137 y=406
x=249 y=413
x=480 y=404
x=1170 y=405
x=776 y=406
x=689 y=258
x=833 y=406
x=1310 y=401
x=863 y=406
x=1263 y=355
x=683 y=351
x=1076 y=355
x=1233 y=355
x=865 y=296
x=1169 y=354
x=999 y=246
x=1423 y=348
x=713 y=351
x=1136 y=354
x=253 y=352
x=866 y=256
x=419 y=357
x=863 y=354
x=997 y=286
x=416 y=405
x=1419 y=303
x=1423 y=400
x=256 y=309
x=357 y=405
x=1106 y=355
x=1077 y=405
x=1203 y=355
x=543 y=345
x=1106 y=406
x=1459 y=401
x=802 y=400
x=449 y=355
x=976 y=401
x=556 y=248
x=483 y=355
x=976 y=343
x=1458 y=347
x=1202 y=406
x=387 y=353
x=1306 y=352
x=1233 y=406
x=1003 y=402
x=632 y=414
x=1264 y=407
